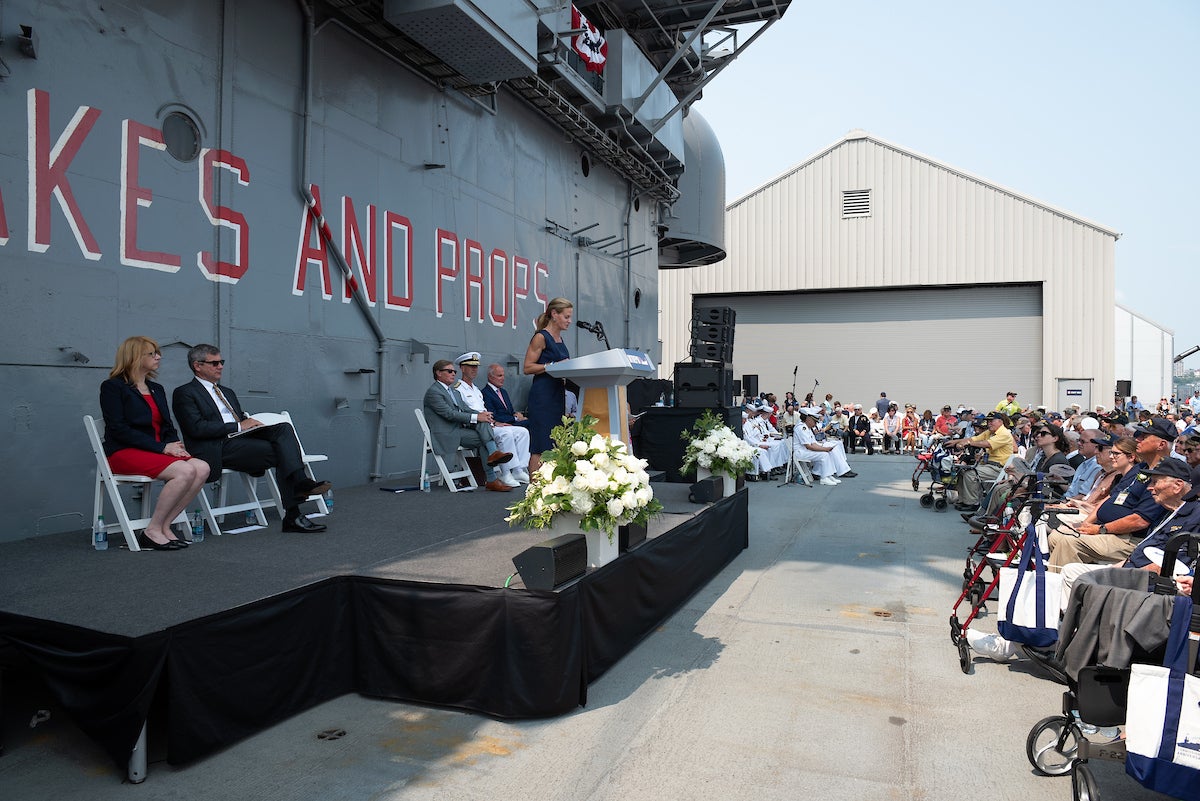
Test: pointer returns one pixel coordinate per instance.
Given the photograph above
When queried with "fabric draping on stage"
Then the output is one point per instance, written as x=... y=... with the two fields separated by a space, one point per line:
x=507 y=653
x=626 y=600
x=234 y=673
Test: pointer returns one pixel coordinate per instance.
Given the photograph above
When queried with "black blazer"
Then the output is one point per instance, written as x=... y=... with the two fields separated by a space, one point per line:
x=205 y=431
x=127 y=418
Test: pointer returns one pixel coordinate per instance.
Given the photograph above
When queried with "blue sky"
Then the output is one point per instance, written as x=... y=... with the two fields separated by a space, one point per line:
x=1091 y=107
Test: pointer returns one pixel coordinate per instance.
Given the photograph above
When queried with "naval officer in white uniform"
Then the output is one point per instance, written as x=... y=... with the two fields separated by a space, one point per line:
x=514 y=439
x=828 y=458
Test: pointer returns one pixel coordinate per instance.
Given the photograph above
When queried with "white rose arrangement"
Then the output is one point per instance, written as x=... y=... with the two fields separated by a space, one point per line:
x=713 y=446
x=590 y=475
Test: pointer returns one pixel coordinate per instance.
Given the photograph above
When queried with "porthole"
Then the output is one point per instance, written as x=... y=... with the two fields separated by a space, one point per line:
x=181 y=135
x=585 y=164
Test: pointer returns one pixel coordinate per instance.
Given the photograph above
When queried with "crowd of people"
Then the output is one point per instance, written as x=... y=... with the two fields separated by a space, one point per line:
x=1120 y=489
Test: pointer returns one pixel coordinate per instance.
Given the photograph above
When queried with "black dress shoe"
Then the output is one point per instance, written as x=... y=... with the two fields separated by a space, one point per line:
x=146 y=542
x=178 y=543
x=849 y=474
x=302 y=524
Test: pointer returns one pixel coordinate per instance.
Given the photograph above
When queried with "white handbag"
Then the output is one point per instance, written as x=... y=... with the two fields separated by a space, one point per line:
x=1029 y=599
x=1162 y=721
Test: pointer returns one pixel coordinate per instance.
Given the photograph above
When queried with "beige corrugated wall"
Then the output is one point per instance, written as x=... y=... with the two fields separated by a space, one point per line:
x=931 y=225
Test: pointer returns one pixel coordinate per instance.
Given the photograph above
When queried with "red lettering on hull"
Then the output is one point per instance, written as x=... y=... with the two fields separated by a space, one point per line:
x=133 y=136
x=48 y=174
x=214 y=269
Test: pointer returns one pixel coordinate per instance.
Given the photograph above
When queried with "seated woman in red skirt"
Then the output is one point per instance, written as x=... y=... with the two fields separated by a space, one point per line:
x=139 y=438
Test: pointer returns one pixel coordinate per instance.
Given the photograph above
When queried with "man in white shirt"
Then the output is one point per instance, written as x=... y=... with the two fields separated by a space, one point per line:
x=510 y=438
x=828 y=458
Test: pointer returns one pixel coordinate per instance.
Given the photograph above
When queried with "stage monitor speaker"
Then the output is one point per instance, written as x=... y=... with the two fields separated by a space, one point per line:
x=703 y=386
x=711 y=351
x=714 y=315
x=707 y=490
x=631 y=536
x=720 y=334
x=1124 y=389
x=750 y=385
x=550 y=564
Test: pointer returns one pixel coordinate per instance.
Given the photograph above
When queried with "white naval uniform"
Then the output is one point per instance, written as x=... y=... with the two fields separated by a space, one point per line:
x=824 y=463
x=514 y=439
x=756 y=433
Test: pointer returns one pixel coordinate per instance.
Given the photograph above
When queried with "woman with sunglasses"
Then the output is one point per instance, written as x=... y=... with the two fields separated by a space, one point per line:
x=1050 y=448
x=140 y=440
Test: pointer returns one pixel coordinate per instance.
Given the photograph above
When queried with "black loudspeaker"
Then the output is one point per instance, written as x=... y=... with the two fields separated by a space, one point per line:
x=720 y=334
x=552 y=563
x=750 y=385
x=631 y=536
x=1124 y=389
x=703 y=386
x=714 y=315
x=707 y=490
x=737 y=388
x=710 y=351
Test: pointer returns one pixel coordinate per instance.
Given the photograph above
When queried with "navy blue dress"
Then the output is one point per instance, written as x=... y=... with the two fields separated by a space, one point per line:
x=547 y=397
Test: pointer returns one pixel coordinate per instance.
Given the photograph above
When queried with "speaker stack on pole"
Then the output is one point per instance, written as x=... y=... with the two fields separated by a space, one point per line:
x=706 y=382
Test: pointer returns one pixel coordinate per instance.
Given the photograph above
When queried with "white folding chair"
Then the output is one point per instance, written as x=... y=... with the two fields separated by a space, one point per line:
x=284 y=417
x=445 y=475
x=803 y=469
x=110 y=482
x=215 y=515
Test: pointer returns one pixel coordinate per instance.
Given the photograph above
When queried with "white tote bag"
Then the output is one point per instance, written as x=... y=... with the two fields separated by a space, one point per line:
x=1162 y=724
x=1029 y=599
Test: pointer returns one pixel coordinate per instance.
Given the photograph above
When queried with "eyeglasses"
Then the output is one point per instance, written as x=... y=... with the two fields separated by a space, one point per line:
x=215 y=362
x=447 y=370
x=1044 y=434
x=157 y=353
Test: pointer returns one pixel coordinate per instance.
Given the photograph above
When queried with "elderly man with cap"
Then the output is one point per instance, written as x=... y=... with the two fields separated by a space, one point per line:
x=998 y=441
x=509 y=438
x=453 y=424
x=771 y=451
x=1169 y=484
x=859 y=429
x=1110 y=533
x=828 y=458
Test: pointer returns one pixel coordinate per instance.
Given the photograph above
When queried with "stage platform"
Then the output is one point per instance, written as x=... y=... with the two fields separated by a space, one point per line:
x=402 y=598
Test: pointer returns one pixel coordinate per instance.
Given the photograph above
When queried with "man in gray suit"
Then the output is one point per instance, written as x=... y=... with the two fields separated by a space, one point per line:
x=452 y=423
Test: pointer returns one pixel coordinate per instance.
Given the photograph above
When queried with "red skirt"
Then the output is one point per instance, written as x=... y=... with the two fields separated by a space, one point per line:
x=137 y=462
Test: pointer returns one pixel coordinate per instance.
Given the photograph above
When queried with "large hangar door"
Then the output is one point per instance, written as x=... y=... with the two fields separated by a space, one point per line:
x=927 y=346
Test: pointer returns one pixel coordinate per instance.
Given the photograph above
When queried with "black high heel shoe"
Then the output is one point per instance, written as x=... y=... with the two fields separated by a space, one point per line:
x=146 y=542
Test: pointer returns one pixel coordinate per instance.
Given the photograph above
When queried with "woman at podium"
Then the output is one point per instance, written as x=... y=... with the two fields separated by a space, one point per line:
x=547 y=397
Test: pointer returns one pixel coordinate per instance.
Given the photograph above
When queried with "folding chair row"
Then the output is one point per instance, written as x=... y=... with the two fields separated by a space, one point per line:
x=111 y=483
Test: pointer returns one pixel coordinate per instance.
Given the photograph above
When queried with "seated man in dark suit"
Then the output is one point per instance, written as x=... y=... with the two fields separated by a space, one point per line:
x=452 y=424
x=497 y=401
x=208 y=413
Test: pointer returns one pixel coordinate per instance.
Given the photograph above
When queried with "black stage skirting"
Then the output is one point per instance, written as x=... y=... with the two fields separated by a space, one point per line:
x=508 y=653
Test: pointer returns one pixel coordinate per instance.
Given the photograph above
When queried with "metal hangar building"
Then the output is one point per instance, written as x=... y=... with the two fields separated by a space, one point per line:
x=871 y=267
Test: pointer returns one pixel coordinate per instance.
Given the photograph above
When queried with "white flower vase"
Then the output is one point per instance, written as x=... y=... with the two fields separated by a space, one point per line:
x=601 y=548
x=730 y=482
x=565 y=523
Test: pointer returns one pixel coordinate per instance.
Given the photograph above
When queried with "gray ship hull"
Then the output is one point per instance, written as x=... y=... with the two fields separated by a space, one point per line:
x=455 y=217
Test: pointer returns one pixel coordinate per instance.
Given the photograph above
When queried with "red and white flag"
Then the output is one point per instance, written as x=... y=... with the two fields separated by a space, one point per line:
x=590 y=45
